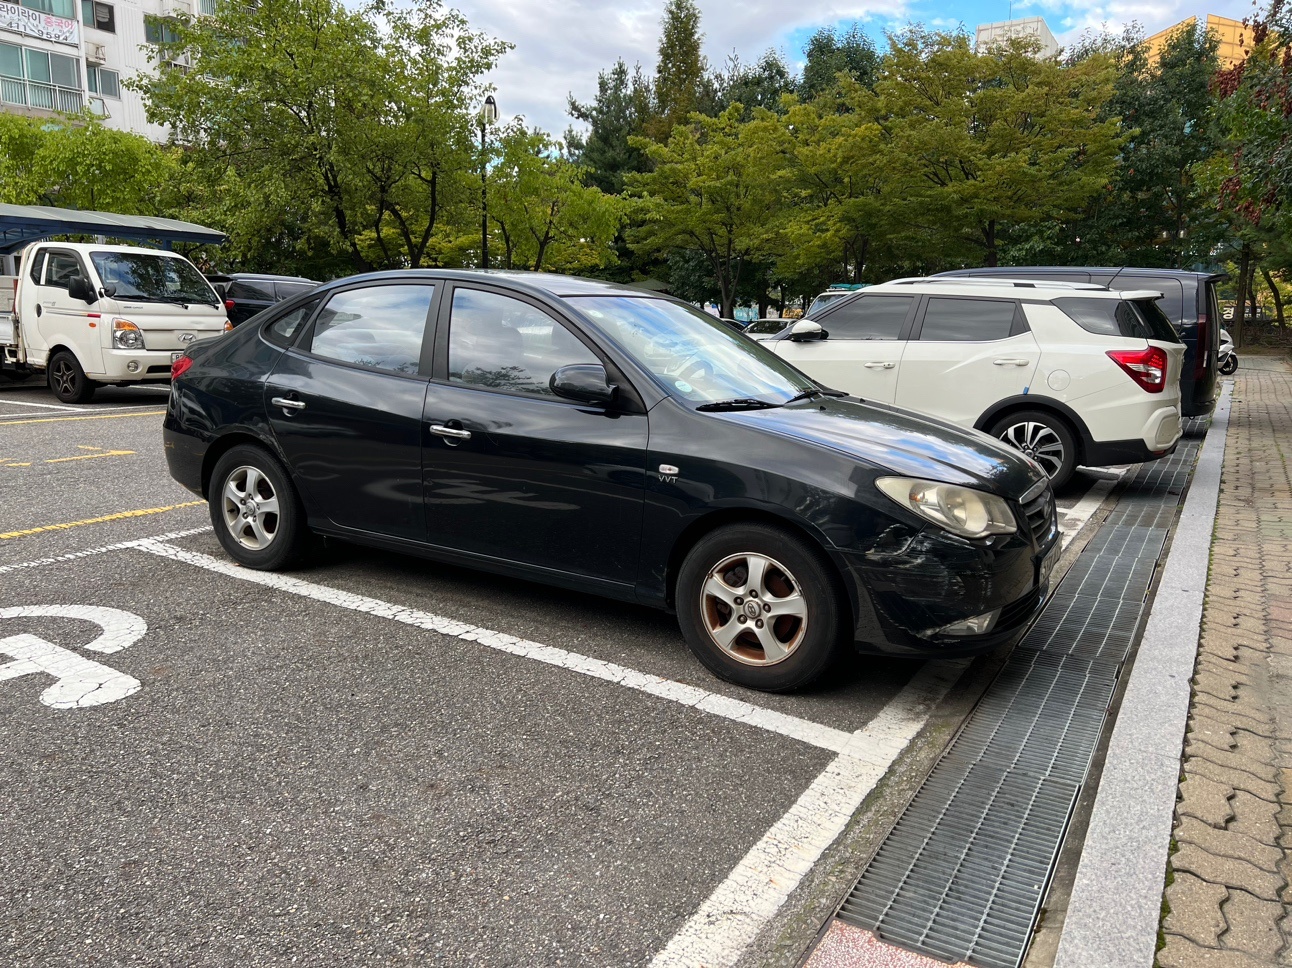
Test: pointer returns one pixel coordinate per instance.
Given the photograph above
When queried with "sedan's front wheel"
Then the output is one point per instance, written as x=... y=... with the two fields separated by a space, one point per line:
x=760 y=607
x=255 y=511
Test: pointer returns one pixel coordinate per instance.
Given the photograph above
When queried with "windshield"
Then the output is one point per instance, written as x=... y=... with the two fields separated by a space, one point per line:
x=693 y=356
x=768 y=327
x=153 y=278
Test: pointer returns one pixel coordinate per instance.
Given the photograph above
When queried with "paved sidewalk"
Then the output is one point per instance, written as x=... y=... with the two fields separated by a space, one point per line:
x=1228 y=884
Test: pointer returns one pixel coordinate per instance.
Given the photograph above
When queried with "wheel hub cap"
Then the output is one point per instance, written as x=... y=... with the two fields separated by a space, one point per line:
x=753 y=609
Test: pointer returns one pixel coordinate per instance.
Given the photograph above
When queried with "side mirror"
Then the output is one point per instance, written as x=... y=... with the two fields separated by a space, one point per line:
x=79 y=288
x=584 y=382
x=805 y=330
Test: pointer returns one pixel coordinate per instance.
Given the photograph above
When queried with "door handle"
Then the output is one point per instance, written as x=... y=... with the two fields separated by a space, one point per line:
x=884 y=366
x=442 y=431
x=1012 y=362
x=287 y=404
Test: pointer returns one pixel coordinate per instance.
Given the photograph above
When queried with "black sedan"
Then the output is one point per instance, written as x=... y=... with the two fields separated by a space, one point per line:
x=603 y=439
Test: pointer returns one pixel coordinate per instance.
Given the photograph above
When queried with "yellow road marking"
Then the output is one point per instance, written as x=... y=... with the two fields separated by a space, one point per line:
x=109 y=453
x=119 y=516
x=99 y=416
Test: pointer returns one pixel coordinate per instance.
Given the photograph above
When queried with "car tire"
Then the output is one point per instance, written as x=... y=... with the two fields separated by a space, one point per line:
x=67 y=380
x=255 y=510
x=1045 y=438
x=776 y=633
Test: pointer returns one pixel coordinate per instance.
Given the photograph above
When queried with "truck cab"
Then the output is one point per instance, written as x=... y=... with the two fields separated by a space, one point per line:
x=87 y=315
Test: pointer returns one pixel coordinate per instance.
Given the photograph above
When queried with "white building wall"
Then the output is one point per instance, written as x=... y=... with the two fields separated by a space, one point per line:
x=989 y=34
x=127 y=53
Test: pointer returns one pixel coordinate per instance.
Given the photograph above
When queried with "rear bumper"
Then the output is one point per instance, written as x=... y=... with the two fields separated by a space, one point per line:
x=184 y=455
x=1105 y=453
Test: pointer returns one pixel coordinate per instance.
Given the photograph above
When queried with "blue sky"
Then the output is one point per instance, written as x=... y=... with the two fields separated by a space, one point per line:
x=560 y=45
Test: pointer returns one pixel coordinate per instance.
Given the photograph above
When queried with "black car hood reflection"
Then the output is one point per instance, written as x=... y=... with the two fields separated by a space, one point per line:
x=898 y=441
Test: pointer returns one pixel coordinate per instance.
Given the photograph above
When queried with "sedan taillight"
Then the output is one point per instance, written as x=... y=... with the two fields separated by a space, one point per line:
x=180 y=367
x=1146 y=367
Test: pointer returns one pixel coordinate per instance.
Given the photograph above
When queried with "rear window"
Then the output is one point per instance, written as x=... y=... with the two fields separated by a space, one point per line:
x=288 y=289
x=252 y=289
x=1136 y=319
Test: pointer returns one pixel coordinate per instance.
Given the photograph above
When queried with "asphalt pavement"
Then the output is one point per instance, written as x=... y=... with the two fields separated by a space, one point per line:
x=377 y=758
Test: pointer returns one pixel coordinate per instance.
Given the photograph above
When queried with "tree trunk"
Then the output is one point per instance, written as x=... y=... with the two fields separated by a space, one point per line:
x=764 y=302
x=1278 y=298
x=989 y=238
x=1240 y=303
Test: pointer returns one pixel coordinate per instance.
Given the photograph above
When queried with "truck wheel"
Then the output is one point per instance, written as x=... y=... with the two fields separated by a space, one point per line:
x=760 y=607
x=68 y=380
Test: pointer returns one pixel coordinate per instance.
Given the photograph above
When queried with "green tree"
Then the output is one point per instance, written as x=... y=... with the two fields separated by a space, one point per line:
x=762 y=84
x=622 y=109
x=544 y=214
x=995 y=139
x=715 y=189
x=681 y=74
x=360 y=123
x=831 y=52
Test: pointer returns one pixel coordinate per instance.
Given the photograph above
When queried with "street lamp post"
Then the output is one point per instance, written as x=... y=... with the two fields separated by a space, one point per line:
x=488 y=115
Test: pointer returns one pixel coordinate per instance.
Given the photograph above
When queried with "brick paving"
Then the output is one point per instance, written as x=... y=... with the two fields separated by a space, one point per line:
x=1229 y=900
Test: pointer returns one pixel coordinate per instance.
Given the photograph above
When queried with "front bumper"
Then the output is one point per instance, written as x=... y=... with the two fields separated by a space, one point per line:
x=914 y=587
x=150 y=365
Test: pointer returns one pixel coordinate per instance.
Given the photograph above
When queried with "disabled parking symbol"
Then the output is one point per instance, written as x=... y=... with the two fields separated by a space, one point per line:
x=78 y=682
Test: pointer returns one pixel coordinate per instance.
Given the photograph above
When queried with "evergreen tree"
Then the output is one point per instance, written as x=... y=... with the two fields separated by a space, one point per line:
x=833 y=52
x=621 y=110
x=682 y=69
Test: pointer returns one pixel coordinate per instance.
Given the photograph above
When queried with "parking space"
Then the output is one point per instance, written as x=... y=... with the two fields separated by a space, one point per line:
x=378 y=757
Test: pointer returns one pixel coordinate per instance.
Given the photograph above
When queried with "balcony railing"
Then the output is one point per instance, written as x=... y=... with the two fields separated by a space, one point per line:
x=37 y=94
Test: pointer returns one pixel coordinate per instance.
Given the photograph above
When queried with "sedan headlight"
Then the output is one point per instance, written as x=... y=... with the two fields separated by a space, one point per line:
x=961 y=510
x=126 y=335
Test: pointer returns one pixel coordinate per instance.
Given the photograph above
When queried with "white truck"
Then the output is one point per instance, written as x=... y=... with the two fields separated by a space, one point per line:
x=86 y=314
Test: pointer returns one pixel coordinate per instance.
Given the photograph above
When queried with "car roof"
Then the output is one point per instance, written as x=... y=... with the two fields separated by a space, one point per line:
x=1102 y=270
x=268 y=277
x=1011 y=288
x=548 y=283
x=95 y=247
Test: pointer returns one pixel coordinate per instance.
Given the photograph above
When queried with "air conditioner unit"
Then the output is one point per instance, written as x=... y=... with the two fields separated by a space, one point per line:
x=96 y=54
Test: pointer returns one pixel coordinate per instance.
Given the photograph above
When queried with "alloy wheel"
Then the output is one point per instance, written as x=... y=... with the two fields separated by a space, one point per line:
x=1038 y=442
x=250 y=507
x=753 y=609
x=64 y=378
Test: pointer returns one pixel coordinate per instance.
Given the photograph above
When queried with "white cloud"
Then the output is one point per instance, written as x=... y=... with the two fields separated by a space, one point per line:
x=560 y=45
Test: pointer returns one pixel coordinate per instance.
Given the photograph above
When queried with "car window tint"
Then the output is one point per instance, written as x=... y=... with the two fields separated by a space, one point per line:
x=377 y=326
x=284 y=329
x=870 y=317
x=60 y=268
x=251 y=289
x=285 y=290
x=37 y=264
x=966 y=320
x=1172 y=301
x=1118 y=317
x=505 y=344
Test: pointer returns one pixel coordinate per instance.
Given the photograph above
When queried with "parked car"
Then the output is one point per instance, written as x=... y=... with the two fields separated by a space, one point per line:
x=247 y=293
x=764 y=328
x=1188 y=300
x=88 y=314
x=836 y=292
x=1070 y=374
x=603 y=439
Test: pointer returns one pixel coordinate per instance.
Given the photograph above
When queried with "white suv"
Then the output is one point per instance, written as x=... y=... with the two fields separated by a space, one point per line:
x=1070 y=374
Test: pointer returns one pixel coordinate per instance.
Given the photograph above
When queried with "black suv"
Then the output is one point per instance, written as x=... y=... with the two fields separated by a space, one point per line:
x=247 y=293
x=1188 y=299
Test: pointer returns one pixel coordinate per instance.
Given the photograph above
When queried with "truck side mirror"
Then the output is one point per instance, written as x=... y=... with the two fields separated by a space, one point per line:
x=79 y=288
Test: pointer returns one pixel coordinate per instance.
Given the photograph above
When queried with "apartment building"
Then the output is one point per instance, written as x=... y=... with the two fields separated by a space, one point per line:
x=1232 y=36
x=1003 y=30
x=66 y=56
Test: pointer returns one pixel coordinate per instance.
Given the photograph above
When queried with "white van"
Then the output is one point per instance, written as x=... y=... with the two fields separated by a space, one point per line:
x=91 y=314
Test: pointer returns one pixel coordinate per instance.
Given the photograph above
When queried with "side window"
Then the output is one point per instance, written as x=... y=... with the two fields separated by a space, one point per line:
x=948 y=320
x=59 y=268
x=505 y=344
x=284 y=329
x=251 y=289
x=37 y=264
x=376 y=326
x=285 y=290
x=869 y=317
x=1172 y=301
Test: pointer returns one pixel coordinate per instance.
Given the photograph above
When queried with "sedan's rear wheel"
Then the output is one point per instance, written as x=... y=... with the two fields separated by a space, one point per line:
x=760 y=607
x=254 y=509
x=1044 y=438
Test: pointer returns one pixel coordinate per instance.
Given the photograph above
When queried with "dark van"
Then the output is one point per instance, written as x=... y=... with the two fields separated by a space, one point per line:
x=1188 y=299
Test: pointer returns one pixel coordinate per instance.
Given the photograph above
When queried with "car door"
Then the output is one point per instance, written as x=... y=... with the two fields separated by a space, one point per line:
x=965 y=354
x=345 y=404
x=514 y=472
x=863 y=352
x=60 y=318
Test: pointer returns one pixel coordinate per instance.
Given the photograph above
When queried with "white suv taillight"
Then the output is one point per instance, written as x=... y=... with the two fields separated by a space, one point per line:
x=1146 y=367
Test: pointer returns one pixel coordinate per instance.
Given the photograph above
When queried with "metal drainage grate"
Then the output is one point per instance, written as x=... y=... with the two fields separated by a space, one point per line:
x=964 y=871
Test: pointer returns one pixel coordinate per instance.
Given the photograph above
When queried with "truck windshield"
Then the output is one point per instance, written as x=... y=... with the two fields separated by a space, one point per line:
x=153 y=278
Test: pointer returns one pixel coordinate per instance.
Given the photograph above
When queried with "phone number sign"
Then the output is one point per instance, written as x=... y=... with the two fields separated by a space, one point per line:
x=33 y=23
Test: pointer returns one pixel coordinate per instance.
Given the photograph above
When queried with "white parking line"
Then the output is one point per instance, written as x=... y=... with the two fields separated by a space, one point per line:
x=725 y=925
x=89 y=552
x=48 y=406
x=814 y=734
x=1075 y=519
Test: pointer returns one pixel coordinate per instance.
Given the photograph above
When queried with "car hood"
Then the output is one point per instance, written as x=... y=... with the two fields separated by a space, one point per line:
x=901 y=442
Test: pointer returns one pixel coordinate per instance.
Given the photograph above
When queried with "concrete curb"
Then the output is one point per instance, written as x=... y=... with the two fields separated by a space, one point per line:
x=1116 y=903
